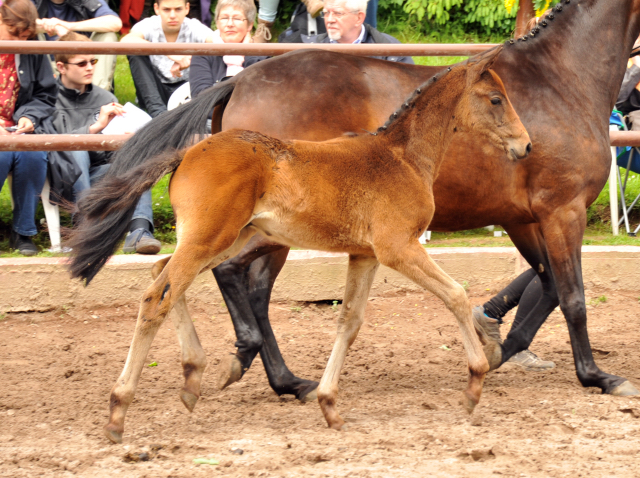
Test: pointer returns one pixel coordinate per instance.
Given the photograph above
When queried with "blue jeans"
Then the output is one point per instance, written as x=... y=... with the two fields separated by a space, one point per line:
x=91 y=174
x=29 y=171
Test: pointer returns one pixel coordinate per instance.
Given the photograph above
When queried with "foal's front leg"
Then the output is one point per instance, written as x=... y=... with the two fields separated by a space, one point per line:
x=362 y=270
x=413 y=262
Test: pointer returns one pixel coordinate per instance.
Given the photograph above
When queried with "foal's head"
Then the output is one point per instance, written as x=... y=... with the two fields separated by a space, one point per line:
x=484 y=109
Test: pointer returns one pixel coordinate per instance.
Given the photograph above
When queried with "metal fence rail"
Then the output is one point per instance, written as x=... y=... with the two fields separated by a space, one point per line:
x=255 y=49
x=102 y=142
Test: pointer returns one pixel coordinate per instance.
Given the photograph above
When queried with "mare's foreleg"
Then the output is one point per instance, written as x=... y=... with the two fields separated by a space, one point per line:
x=413 y=262
x=194 y=360
x=360 y=274
x=529 y=241
x=563 y=231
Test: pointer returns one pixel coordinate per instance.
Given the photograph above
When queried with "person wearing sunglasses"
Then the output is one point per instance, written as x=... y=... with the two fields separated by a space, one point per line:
x=344 y=21
x=84 y=108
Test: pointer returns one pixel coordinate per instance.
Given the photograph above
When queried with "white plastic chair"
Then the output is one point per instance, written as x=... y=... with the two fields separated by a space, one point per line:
x=51 y=214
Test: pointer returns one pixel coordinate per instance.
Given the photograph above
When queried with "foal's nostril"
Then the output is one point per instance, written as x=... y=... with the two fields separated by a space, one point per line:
x=529 y=148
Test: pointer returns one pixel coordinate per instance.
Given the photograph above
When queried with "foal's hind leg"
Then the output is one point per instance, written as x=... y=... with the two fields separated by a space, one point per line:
x=194 y=360
x=414 y=262
x=190 y=258
x=362 y=270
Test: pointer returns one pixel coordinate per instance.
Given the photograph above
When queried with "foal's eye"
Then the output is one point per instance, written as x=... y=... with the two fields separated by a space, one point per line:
x=496 y=101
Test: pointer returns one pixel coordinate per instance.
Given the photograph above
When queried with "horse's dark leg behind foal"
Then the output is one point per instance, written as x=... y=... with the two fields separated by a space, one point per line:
x=246 y=289
x=262 y=275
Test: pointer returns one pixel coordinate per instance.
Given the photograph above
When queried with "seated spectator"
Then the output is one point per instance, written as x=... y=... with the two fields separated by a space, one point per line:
x=91 y=18
x=268 y=12
x=628 y=100
x=156 y=77
x=234 y=19
x=344 y=20
x=84 y=108
x=27 y=95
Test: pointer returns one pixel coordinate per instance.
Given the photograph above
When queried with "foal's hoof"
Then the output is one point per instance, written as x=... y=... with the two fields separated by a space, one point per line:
x=189 y=399
x=230 y=371
x=625 y=389
x=468 y=402
x=114 y=435
x=493 y=352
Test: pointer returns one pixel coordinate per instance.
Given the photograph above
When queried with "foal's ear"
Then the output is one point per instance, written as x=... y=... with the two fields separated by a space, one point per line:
x=482 y=63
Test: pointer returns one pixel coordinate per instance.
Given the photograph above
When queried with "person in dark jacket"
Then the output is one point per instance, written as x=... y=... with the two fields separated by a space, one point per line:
x=28 y=92
x=84 y=108
x=344 y=21
x=92 y=18
x=234 y=19
x=629 y=95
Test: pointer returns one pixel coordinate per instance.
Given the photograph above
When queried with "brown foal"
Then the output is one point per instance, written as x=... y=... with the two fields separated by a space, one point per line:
x=367 y=195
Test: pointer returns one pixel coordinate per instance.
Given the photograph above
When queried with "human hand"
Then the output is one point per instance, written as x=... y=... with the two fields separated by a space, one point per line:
x=49 y=25
x=183 y=60
x=176 y=70
x=3 y=131
x=24 y=126
x=107 y=113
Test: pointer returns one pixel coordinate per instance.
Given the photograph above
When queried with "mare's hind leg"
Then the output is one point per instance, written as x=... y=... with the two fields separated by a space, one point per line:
x=192 y=256
x=413 y=262
x=362 y=270
x=194 y=360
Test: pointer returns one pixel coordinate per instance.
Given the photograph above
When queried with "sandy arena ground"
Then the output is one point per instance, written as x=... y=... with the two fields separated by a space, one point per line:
x=399 y=396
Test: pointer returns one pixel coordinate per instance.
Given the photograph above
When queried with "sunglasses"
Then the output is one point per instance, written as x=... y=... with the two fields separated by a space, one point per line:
x=83 y=63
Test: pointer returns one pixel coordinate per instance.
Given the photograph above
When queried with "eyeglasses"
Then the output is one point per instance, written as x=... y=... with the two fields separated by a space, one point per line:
x=235 y=20
x=336 y=14
x=83 y=63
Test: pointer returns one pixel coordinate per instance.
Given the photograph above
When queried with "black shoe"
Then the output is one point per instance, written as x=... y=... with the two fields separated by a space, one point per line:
x=23 y=244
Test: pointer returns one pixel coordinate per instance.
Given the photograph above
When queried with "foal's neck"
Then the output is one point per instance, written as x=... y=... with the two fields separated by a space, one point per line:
x=426 y=122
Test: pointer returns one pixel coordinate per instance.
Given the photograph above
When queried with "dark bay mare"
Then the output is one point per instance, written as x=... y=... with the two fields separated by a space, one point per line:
x=370 y=195
x=563 y=81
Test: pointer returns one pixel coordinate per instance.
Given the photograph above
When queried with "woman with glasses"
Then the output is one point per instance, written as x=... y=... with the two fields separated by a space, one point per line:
x=234 y=20
x=27 y=96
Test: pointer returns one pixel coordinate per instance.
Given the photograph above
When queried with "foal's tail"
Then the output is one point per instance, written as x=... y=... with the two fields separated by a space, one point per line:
x=106 y=210
x=155 y=150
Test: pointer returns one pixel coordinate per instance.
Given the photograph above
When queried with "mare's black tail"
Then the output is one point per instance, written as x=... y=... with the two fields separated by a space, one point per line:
x=155 y=150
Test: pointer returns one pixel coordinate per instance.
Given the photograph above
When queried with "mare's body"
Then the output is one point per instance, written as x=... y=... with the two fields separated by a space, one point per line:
x=368 y=195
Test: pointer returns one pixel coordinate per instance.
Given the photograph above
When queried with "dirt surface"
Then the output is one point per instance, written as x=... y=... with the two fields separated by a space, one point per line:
x=399 y=395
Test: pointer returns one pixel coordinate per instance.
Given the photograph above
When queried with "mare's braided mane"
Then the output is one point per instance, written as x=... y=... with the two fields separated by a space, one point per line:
x=543 y=22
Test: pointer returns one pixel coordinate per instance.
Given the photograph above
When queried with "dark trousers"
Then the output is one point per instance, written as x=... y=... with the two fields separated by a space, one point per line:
x=153 y=95
x=525 y=291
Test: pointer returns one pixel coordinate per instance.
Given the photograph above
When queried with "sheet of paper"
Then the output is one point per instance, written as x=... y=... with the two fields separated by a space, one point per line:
x=131 y=121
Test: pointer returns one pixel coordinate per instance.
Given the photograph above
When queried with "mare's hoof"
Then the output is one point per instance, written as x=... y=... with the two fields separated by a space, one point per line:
x=469 y=403
x=112 y=434
x=625 y=389
x=189 y=399
x=310 y=396
x=230 y=371
x=493 y=352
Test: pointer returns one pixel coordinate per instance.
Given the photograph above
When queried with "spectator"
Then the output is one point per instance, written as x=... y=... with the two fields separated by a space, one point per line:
x=28 y=92
x=83 y=108
x=268 y=12
x=234 y=19
x=344 y=20
x=89 y=17
x=156 y=77
x=628 y=101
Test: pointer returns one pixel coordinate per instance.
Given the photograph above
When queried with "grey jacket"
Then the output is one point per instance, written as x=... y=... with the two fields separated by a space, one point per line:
x=75 y=112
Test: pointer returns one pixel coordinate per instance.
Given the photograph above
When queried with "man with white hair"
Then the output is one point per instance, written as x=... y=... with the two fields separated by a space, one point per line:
x=344 y=20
